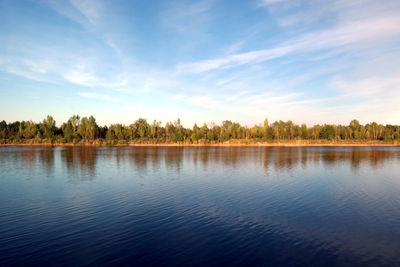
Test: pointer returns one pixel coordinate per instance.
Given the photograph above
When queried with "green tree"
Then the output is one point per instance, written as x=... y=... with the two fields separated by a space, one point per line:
x=30 y=130
x=155 y=129
x=142 y=128
x=92 y=129
x=3 y=130
x=327 y=132
x=179 y=136
x=196 y=136
x=68 y=131
x=355 y=128
x=304 y=132
x=48 y=127
x=82 y=127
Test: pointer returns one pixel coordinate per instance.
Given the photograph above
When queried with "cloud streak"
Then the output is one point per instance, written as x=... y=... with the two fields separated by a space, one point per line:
x=269 y=2
x=366 y=31
x=97 y=96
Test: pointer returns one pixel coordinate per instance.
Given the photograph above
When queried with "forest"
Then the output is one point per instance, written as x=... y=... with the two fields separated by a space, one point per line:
x=85 y=130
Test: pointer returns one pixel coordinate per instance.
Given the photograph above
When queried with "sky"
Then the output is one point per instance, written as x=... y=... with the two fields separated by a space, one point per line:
x=312 y=62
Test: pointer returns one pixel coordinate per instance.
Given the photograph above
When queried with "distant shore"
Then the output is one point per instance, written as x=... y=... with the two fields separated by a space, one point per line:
x=226 y=144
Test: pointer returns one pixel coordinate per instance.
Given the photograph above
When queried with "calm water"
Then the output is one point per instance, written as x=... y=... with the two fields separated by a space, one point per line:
x=199 y=206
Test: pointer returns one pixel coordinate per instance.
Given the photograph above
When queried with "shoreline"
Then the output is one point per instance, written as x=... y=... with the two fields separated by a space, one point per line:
x=289 y=144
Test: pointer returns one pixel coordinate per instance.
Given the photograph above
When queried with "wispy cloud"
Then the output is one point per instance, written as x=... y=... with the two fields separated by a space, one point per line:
x=98 y=97
x=88 y=13
x=58 y=69
x=376 y=87
x=97 y=17
x=176 y=97
x=234 y=60
x=269 y=2
x=184 y=17
x=351 y=33
x=90 y=9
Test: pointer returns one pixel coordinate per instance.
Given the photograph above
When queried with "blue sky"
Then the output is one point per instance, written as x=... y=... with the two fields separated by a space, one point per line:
x=312 y=61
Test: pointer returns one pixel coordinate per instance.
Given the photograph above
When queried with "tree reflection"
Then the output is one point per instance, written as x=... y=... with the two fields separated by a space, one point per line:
x=173 y=158
x=80 y=162
x=34 y=157
x=84 y=163
x=47 y=159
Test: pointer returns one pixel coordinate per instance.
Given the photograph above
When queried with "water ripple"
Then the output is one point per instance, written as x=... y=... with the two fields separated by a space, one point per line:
x=199 y=206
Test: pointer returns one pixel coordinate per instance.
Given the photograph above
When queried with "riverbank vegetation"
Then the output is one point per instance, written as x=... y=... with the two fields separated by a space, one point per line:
x=85 y=130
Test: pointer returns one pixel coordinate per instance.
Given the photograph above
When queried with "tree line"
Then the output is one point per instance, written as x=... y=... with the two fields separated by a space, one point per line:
x=85 y=130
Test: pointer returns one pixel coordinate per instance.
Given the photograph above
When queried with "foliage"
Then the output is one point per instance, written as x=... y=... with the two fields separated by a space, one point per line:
x=86 y=129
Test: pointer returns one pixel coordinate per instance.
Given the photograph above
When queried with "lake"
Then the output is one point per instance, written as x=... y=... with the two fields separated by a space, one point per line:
x=184 y=206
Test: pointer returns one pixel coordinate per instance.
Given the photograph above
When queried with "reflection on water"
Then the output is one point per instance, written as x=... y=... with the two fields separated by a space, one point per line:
x=200 y=205
x=83 y=160
x=79 y=162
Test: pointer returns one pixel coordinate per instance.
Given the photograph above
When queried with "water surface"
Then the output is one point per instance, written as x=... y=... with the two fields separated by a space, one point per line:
x=200 y=206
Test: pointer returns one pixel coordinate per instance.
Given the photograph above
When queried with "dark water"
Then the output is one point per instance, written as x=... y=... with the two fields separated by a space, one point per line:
x=200 y=206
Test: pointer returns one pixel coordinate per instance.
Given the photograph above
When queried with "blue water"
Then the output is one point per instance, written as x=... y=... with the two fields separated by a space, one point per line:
x=199 y=206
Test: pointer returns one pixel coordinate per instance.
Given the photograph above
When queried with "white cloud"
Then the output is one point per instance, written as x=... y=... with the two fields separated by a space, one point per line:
x=187 y=18
x=269 y=2
x=56 y=69
x=367 y=87
x=26 y=74
x=90 y=9
x=233 y=60
x=176 y=97
x=97 y=17
x=88 y=13
x=80 y=75
x=367 y=31
x=99 y=97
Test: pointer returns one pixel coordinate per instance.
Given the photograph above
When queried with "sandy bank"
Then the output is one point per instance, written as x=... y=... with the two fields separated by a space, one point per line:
x=260 y=144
